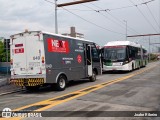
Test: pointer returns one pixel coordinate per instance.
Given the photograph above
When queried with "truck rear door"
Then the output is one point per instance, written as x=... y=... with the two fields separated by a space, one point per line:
x=27 y=54
x=18 y=56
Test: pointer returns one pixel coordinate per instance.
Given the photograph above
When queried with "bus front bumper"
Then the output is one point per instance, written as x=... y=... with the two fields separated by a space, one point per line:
x=116 y=68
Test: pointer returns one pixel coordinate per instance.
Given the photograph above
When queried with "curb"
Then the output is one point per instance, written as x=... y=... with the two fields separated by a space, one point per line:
x=4 y=81
x=10 y=92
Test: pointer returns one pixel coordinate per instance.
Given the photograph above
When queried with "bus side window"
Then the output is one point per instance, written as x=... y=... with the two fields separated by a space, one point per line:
x=131 y=53
x=145 y=54
x=137 y=53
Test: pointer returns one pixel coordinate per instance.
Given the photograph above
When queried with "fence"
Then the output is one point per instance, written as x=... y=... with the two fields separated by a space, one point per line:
x=5 y=67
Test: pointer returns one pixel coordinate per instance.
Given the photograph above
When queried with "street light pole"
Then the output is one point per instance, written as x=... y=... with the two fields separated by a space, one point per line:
x=56 y=24
x=126 y=28
x=6 y=41
x=149 y=49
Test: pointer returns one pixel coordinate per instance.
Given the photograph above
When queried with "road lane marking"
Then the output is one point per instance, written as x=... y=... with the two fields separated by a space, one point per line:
x=53 y=101
x=49 y=103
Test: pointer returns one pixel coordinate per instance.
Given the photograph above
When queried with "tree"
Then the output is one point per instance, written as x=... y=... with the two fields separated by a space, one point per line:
x=3 y=53
x=153 y=57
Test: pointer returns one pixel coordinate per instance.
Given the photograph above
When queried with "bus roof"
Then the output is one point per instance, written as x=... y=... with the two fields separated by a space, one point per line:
x=81 y=39
x=116 y=43
x=58 y=35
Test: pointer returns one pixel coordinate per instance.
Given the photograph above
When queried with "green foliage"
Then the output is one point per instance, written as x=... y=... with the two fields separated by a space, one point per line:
x=3 y=53
x=153 y=57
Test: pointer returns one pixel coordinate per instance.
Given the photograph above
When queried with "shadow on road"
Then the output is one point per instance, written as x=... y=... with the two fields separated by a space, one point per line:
x=49 y=88
x=116 y=72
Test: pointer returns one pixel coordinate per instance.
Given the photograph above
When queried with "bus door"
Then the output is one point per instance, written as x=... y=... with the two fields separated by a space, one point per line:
x=89 y=59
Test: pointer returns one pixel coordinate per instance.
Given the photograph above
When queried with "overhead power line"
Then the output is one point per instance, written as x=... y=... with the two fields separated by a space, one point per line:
x=151 y=14
x=49 y=2
x=117 y=19
x=93 y=22
x=88 y=20
x=104 y=16
x=143 y=14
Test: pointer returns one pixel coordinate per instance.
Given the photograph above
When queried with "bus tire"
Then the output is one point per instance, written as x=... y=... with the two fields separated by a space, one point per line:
x=32 y=88
x=145 y=63
x=132 y=67
x=61 y=83
x=93 y=77
x=138 y=67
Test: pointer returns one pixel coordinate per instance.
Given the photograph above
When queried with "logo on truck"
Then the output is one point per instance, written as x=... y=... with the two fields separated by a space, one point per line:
x=58 y=45
x=79 y=58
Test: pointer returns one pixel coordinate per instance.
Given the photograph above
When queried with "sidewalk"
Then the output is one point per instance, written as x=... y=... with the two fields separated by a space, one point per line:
x=4 y=79
x=5 y=86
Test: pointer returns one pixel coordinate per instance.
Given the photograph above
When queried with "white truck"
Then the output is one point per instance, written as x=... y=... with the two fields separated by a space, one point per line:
x=40 y=58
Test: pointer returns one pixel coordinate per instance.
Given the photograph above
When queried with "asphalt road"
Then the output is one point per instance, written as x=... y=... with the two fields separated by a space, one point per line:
x=128 y=91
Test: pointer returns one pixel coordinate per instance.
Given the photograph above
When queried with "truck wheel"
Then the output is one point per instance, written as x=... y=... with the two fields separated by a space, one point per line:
x=61 y=83
x=93 y=77
x=32 y=88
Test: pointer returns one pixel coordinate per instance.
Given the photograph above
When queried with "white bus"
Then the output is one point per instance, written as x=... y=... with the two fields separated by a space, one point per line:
x=123 y=56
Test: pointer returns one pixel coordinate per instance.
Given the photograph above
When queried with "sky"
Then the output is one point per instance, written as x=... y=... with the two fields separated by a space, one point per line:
x=100 y=21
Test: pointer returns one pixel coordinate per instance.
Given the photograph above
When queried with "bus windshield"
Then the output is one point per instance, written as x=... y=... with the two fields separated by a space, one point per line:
x=117 y=53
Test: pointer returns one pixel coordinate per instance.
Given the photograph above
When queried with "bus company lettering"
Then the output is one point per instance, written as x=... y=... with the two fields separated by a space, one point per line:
x=19 y=50
x=58 y=45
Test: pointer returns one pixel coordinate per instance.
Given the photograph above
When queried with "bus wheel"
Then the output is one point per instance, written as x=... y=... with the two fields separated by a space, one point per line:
x=145 y=64
x=61 y=83
x=132 y=67
x=139 y=65
x=93 y=77
x=32 y=88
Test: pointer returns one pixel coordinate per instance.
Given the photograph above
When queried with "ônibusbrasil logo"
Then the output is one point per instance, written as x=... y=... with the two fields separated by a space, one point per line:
x=7 y=113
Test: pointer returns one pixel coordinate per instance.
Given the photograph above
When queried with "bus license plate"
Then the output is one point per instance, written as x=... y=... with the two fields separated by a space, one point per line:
x=114 y=69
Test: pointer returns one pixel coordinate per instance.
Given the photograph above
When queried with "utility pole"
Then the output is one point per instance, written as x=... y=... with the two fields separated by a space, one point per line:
x=149 y=49
x=56 y=24
x=126 y=28
x=6 y=47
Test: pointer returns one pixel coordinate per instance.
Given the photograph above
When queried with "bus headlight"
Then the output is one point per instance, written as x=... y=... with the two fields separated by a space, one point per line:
x=125 y=62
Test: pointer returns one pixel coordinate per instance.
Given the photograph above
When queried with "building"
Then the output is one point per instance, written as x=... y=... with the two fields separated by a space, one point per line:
x=73 y=33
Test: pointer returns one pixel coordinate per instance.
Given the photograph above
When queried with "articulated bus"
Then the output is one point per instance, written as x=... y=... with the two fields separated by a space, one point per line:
x=123 y=56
